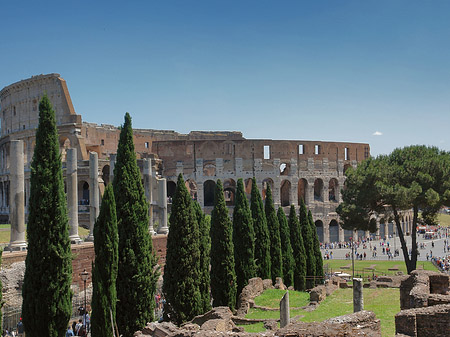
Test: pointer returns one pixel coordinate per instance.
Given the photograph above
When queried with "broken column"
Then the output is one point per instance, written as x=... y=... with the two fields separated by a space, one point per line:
x=72 y=195
x=284 y=310
x=358 y=300
x=94 y=207
x=17 y=197
x=148 y=192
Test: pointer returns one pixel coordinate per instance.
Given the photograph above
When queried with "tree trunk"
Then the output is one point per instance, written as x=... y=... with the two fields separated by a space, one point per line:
x=402 y=240
x=414 y=241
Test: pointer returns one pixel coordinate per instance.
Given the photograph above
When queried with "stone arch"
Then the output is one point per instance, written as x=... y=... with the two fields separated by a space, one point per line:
x=334 y=231
x=318 y=189
x=346 y=167
x=171 y=188
x=333 y=190
x=267 y=181
x=361 y=234
x=229 y=191
x=209 y=169
x=382 y=229
x=348 y=233
x=106 y=174
x=390 y=228
x=209 y=187
x=191 y=185
x=301 y=190
x=285 y=169
x=83 y=192
x=285 y=193
x=319 y=229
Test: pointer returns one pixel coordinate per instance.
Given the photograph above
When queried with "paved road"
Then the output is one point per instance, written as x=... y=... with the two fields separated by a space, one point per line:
x=437 y=250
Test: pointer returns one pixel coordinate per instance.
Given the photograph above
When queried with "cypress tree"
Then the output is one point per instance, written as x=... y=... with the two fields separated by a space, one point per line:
x=182 y=268
x=205 y=249
x=317 y=252
x=106 y=245
x=286 y=249
x=299 y=251
x=274 y=232
x=47 y=297
x=308 y=241
x=243 y=239
x=137 y=273
x=262 y=242
x=223 y=276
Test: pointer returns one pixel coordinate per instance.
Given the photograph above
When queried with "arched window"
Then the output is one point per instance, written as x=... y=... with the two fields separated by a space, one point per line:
x=208 y=191
x=285 y=193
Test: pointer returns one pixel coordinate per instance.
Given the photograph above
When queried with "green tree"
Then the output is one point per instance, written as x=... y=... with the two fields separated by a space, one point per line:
x=308 y=242
x=414 y=177
x=299 y=251
x=223 y=276
x=317 y=253
x=47 y=298
x=137 y=274
x=243 y=239
x=262 y=242
x=204 y=226
x=106 y=245
x=286 y=248
x=274 y=232
x=182 y=268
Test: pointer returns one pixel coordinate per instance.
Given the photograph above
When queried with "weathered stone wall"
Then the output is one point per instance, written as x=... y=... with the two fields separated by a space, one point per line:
x=425 y=304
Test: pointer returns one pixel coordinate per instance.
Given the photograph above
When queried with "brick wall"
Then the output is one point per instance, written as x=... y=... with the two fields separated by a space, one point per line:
x=84 y=256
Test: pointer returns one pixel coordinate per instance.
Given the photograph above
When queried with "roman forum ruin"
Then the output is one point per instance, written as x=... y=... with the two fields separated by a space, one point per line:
x=294 y=169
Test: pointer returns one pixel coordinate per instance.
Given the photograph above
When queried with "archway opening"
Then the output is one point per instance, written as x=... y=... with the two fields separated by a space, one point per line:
x=285 y=193
x=229 y=191
x=171 y=188
x=334 y=231
x=318 y=189
x=301 y=190
x=208 y=192
x=319 y=229
x=105 y=174
x=333 y=192
x=267 y=182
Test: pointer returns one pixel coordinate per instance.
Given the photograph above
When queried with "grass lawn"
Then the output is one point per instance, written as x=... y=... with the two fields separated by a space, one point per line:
x=385 y=302
x=443 y=219
x=381 y=267
x=5 y=235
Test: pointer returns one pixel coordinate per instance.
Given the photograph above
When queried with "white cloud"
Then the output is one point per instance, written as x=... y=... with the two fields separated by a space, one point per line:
x=377 y=133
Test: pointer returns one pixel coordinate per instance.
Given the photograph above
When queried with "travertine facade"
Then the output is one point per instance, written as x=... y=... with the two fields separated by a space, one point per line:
x=308 y=170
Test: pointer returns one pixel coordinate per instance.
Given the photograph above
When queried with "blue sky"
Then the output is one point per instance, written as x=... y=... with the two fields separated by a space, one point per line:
x=357 y=71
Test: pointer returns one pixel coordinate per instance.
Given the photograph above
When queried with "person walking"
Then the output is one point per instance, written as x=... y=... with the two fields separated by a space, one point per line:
x=20 y=328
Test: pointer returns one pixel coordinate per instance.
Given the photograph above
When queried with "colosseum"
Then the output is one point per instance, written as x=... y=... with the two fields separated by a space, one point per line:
x=295 y=170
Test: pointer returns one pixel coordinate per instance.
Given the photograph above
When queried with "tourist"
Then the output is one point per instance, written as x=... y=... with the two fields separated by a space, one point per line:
x=69 y=331
x=78 y=327
x=20 y=328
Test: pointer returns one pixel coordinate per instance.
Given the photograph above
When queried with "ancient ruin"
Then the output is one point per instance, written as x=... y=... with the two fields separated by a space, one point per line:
x=295 y=169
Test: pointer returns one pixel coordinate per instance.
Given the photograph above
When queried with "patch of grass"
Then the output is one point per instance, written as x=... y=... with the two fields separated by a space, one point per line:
x=5 y=226
x=271 y=298
x=255 y=327
x=384 y=302
x=381 y=267
x=443 y=219
x=5 y=235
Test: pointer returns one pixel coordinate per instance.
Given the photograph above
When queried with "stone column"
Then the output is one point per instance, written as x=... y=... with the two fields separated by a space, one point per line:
x=309 y=193
x=366 y=234
x=284 y=310
x=112 y=165
x=341 y=234
x=94 y=207
x=326 y=232
x=16 y=195
x=162 y=202
x=148 y=192
x=378 y=229
x=72 y=194
x=358 y=300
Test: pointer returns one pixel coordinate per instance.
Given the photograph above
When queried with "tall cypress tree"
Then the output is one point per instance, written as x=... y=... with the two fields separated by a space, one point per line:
x=47 y=298
x=137 y=274
x=262 y=242
x=243 y=239
x=317 y=252
x=106 y=245
x=299 y=251
x=223 y=276
x=286 y=249
x=205 y=250
x=182 y=268
x=308 y=241
x=274 y=232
